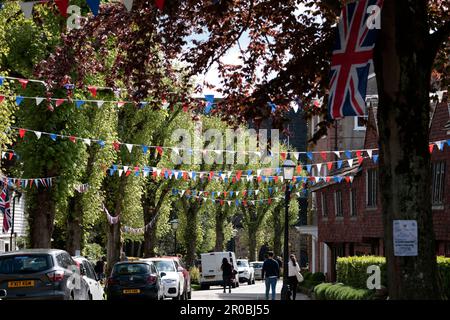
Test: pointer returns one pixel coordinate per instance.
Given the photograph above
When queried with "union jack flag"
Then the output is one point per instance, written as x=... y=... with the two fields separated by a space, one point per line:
x=352 y=58
x=5 y=209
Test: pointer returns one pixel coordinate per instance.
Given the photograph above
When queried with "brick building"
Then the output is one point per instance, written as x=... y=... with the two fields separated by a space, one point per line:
x=349 y=216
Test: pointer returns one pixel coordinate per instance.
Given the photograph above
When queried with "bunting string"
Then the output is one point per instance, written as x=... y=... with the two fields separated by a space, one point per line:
x=24 y=183
x=111 y=220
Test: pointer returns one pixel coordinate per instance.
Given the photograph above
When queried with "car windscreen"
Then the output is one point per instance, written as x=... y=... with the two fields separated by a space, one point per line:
x=24 y=264
x=257 y=265
x=165 y=266
x=131 y=268
x=242 y=264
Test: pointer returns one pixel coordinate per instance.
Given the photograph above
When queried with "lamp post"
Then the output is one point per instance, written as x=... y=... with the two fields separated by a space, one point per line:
x=234 y=240
x=174 y=223
x=288 y=174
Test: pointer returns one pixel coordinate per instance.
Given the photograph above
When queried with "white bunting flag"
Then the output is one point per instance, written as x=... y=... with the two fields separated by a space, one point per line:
x=125 y=168
x=296 y=155
x=237 y=193
x=351 y=178
x=249 y=178
x=440 y=145
x=87 y=141
x=129 y=147
x=350 y=162
x=120 y=172
x=337 y=153
x=317 y=179
x=294 y=106
x=27 y=8
x=128 y=4
x=100 y=103
x=319 y=167
x=39 y=100
x=256 y=192
x=182 y=192
x=258 y=172
x=38 y=134
x=229 y=203
x=369 y=153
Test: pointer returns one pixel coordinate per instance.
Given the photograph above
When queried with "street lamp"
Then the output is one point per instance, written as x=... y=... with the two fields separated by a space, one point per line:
x=174 y=223
x=288 y=175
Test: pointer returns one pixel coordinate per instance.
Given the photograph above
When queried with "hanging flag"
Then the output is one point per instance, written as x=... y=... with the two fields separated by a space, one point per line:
x=87 y=141
x=39 y=100
x=2 y=98
x=19 y=100
x=27 y=8
x=93 y=5
x=92 y=89
x=5 y=208
x=369 y=153
x=272 y=105
x=348 y=154
x=159 y=4
x=351 y=60
x=375 y=158
x=24 y=83
x=128 y=4
x=22 y=132
x=337 y=153
x=100 y=103
x=310 y=155
x=330 y=165
x=59 y=102
x=159 y=150
x=339 y=164
x=73 y=139
x=431 y=147
x=53 y=136
x=1 y=81
x=62 y=6
x=79 y=103
x=120 y=104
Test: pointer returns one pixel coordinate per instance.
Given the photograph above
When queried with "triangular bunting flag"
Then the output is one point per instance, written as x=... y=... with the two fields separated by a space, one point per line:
x=100 y=103
x=375 y=158
x=337 y=153
x=87 y=141
x=350 y=162
x=27 y=8
x=93 y=5
x=128 y=4
x=330 y=165
x=53 y=136
x=19 y=100
x=129 y=147
x=62 y=6
x=79 y=103
x=310 y=155
x=92 y=89
x=38 y=134
x=59 y=102
x=22 y=132
x=39 y=100
x=339 y=164
x=369 y=153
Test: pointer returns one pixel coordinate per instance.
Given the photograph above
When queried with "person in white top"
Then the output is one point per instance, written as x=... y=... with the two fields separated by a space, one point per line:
x=294 y=270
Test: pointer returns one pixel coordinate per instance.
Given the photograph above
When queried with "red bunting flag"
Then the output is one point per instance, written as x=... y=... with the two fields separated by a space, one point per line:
x=283 y=155
x=259 y=178
x=185 y=175
x=73 y=139
x=116 y=145
x=159 y=4
x=358 y=153
x=59 y=102
x=62 y=6
x=431 y=147
x=347 y=178
x=159 y=150
x=136 y=169
x=93 y=90
x=22 y=132
x=238 y=174
x=155 y=174
x=323 y=155
x=2 y=98
x=211 y=175
x=269 y=201
x=225 y=194
x=128 y=173
x=330 y=165
x=328 y=179
x=11 y=155
x=185 y=107
x=24 y=83
x=299 y=169
x=121 y=104
x=244 y=202
x=360 y=160
x=276 y=179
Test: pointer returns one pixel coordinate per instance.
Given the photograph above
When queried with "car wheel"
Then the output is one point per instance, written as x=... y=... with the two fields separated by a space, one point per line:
x=89 y=296
x=189 y=295
x=204 y=287
x=253 y=281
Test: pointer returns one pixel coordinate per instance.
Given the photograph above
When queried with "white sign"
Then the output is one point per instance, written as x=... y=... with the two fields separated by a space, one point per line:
x=405 y=238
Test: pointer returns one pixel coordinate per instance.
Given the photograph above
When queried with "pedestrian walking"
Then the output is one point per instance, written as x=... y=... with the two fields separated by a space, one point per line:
x=227 y=274
x=294 y=275
x=100 y=268
x=271 y=273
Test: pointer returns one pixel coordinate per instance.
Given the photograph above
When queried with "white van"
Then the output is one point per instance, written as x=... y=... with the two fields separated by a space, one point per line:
x=210 y=272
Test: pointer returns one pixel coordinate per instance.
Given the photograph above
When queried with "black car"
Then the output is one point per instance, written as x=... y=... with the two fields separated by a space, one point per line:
x=137 y=279
x=41 y=274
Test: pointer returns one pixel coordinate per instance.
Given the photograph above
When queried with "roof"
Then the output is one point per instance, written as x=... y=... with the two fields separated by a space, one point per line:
x=32 y=251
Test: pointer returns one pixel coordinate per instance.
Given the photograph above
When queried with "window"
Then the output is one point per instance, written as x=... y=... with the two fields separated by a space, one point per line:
x=24 y=264
x=372 y=188
x=438 y=178
x=324 y=205
x=338 y=204
x=353 y=203
x=89 y=272
x=360 y=123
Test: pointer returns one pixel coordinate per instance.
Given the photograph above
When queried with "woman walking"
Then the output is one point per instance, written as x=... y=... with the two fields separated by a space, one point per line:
x=294 y=272
x=227 y=274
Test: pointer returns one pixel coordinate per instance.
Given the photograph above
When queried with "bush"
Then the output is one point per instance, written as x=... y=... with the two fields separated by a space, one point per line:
x=352 y=271
x=318 y=277
x=93 y=252
x=195 y=275
x=306 y=275
x=312 y=279
x=338 y=291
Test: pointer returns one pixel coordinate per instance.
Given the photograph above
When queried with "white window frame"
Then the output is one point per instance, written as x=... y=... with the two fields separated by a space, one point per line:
x=367 y=190
x=336 y=204
x=356 y=126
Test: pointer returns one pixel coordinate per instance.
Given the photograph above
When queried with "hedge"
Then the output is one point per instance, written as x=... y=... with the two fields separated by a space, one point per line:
x=338 y=291
x=311 y=279
x=352 y=271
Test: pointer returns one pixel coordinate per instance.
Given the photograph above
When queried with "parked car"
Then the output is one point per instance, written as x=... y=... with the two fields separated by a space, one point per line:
x=245 y=271
x=41 y=274
x=257 y=267
x=172 y=279
x=134 y=279
x=3 y=294
x=179 y=264
x=96 y=291
x=210 y=272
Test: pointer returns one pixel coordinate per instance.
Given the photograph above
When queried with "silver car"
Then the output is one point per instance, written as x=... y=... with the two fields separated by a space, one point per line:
x=257 y=266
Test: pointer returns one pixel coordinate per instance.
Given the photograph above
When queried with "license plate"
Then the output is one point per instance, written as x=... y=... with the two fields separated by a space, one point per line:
x=209 y=277
x=131 y=291
x=21 y=284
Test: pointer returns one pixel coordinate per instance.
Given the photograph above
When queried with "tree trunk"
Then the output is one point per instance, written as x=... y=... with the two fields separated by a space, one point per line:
x=277 y=231
x=113 y=246
x=74 y=221
x=251 y=244
x=190 y=235
x=41 y=217
x=403 y=67
x=220 y=235
x=150 y=233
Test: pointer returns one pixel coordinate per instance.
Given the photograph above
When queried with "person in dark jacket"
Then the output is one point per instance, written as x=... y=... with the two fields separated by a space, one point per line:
x=227 y=274
x=271 y=273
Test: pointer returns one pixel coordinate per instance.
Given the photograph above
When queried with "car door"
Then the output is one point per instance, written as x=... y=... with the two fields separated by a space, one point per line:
x=94 y=286
x=180 y=277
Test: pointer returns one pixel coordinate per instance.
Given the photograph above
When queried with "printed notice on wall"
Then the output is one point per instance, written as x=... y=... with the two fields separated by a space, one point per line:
x=405 y=238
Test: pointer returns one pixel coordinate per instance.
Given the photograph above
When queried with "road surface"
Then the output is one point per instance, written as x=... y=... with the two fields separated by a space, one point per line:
x=244 y=292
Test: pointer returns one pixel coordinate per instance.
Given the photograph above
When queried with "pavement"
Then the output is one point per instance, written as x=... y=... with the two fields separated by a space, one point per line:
x=244 y=292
